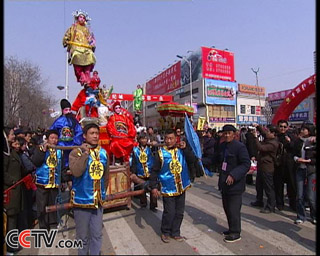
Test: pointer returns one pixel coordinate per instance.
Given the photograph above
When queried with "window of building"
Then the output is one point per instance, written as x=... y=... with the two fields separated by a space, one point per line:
x=242 y=109
x=253 y=110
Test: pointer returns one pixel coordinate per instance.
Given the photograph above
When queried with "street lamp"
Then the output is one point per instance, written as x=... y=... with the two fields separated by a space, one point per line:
x=61 y=87
x=189 y=63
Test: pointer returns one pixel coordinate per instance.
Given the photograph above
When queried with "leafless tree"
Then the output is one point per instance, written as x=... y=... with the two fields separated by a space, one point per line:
x=24 y=97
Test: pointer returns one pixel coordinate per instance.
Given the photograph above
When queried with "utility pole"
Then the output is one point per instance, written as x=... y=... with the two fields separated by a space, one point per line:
x=257 y=84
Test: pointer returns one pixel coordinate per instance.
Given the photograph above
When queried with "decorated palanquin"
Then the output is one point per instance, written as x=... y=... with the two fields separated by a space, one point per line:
x=119 y=181
x=104 y=139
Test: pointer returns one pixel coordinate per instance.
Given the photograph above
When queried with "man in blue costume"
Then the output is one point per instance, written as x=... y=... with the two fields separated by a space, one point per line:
x=70 y=131
x=141 y=164
x=170 y=166
x=49 y=162
x=89 y=165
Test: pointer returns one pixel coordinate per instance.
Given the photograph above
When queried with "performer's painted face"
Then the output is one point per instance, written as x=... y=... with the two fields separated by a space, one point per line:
x=81 y=19
x=66 y=111
x=117 y=109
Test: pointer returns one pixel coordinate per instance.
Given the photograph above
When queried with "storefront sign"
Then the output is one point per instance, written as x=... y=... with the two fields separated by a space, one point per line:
x=222 y=119
x=278 y=95
x=129 y=97
x=252 y=89
x=217 y=64
x=299 y=116
x=245 y=119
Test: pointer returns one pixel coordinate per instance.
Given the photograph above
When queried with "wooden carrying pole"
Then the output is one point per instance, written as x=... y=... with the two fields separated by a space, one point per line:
x=54 y=208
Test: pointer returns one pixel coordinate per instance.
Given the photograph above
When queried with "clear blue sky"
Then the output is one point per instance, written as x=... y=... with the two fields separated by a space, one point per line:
x=137 y=39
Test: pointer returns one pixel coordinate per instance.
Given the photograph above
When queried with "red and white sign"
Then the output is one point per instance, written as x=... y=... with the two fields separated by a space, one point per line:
x=166 y=81
x=129 y=97
x=217 y=64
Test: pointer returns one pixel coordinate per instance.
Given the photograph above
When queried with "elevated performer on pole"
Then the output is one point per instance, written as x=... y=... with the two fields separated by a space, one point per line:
x=81 y=44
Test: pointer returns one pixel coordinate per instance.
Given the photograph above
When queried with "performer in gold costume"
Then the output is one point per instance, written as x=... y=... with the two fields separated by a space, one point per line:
x=81 y=44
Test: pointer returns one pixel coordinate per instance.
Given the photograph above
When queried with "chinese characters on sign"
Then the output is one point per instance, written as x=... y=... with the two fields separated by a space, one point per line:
x=129 y=97
x=217 y=64
x=166 y=81
x=251 y=89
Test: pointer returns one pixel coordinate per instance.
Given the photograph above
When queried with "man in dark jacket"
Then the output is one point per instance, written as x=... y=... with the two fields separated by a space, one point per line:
x=267 y=150
x=252 y=150
x=235 y=163
x=284 y=171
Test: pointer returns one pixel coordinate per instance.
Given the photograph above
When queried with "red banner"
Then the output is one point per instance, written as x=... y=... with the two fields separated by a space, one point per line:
x=166 y=81
x=217 y=64
x=129 y=97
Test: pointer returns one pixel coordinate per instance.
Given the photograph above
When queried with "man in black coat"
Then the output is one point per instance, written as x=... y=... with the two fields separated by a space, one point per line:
x=252 y=150
x=285 y=171
x=235 y=163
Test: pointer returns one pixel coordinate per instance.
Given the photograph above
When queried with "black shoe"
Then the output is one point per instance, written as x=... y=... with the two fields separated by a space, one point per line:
x=257 y=204
x=226 y=233
x=266 y=210
x=154 y=209
x=232 y=238
x=165 y=238
x=280 y=207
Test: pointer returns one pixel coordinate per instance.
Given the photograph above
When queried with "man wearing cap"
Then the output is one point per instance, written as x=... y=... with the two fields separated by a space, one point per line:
x=80 y=44
x=122 y=133
x=235 y=163
x=69 y=129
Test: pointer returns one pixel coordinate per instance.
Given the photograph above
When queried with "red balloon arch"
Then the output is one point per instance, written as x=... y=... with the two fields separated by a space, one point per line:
x=294 y=98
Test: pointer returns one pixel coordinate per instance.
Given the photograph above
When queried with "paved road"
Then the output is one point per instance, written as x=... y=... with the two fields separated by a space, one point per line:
x=136 y=231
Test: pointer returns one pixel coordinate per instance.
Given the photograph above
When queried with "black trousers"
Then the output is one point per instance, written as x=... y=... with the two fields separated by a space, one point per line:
x=46 y=197
x=232 y=207
x=268 y=187
x=173 y=210
x=285 y=175
x=259 y=186
x=12 y=223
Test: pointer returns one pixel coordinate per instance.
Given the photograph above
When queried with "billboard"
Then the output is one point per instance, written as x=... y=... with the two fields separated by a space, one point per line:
x=217 y=64
x=252 y=89
x=220 y=92
x=166 y=81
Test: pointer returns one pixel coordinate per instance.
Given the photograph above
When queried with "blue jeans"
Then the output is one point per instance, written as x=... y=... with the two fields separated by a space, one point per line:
x=306 y=185
x=89 y=225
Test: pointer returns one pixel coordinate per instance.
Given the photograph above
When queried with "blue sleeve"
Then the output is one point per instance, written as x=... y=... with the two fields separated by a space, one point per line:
x=78 y=135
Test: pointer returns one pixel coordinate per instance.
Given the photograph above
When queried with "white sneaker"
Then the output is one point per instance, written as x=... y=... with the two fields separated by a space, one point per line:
x=298 y=221
x=314 y=221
